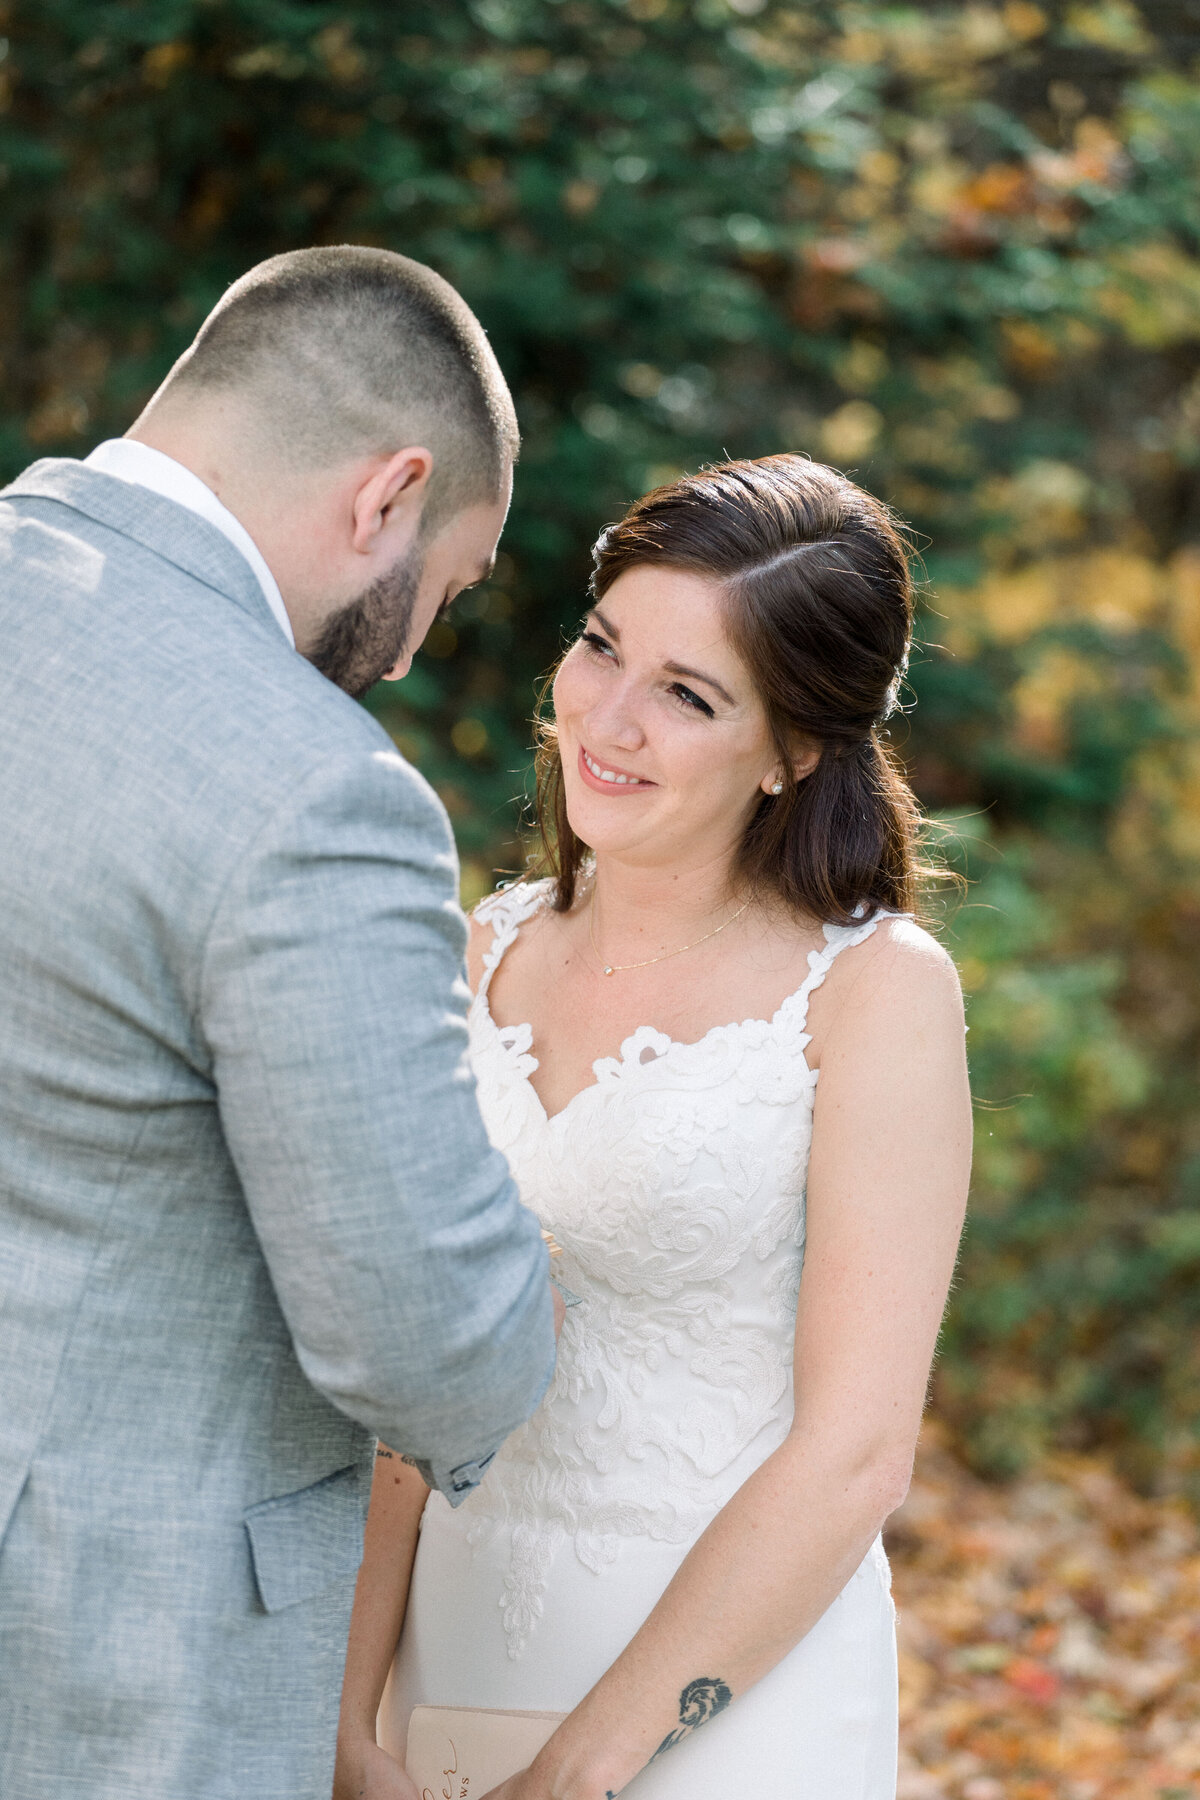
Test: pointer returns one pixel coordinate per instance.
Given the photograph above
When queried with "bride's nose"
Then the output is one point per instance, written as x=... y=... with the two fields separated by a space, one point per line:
x=615 y=720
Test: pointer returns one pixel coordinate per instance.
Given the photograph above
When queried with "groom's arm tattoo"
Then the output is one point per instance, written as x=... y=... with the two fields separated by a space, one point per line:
x=700 y=1701
x=383 y=1454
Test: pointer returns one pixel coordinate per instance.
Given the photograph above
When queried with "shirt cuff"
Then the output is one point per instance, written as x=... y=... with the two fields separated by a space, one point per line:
x=457 y=1483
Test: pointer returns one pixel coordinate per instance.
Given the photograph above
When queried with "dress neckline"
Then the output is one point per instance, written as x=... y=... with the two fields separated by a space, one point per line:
x=510 y=908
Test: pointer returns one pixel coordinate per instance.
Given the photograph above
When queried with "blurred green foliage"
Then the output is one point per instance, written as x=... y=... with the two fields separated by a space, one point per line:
x=951 y=248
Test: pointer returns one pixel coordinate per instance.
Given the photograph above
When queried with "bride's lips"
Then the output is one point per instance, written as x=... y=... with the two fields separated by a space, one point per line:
x=631 y=784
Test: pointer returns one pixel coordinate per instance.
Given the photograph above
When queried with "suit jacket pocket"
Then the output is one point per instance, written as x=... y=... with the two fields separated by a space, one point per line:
x=302 y=1543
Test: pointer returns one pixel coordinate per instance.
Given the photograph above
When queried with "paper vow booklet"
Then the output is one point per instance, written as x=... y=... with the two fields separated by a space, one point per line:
x=460 y=1752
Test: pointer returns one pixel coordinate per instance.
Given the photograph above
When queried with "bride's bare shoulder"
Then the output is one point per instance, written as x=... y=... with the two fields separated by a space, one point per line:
x=900 y=969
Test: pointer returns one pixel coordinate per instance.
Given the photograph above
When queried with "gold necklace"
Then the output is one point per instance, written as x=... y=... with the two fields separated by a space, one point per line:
x=624 y=968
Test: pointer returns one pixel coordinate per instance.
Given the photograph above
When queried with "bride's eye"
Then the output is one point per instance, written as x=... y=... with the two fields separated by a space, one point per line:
x=691 y=701
x=597 y=646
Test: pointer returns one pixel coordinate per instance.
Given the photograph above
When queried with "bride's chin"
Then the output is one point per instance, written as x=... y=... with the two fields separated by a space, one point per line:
x=604 y=823
x=599 y=833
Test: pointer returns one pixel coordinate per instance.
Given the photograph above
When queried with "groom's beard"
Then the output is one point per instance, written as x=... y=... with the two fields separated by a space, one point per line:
x=359 y=644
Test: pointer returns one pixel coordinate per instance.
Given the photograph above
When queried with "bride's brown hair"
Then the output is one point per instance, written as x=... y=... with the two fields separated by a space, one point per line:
x=819 y=605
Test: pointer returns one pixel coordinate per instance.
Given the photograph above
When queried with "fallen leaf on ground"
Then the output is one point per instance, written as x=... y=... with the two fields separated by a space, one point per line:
x=1049 y=1636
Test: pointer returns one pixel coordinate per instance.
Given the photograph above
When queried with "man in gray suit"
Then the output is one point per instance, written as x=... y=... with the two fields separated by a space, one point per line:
x=249 y=1217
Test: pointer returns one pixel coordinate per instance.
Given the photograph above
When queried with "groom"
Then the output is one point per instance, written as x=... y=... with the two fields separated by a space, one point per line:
x=249 y=1218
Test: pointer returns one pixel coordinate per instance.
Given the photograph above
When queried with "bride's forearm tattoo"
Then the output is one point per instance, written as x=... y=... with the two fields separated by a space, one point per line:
x=700 y=1701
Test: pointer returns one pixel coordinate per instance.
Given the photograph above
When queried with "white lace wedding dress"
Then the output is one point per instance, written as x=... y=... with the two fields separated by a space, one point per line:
x=675 y=1186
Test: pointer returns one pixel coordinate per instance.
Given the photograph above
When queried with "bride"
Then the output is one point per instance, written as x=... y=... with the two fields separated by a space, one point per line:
x=728 y=1070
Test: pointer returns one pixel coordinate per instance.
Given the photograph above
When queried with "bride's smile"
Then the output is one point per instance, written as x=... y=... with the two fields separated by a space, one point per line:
x=596 y=773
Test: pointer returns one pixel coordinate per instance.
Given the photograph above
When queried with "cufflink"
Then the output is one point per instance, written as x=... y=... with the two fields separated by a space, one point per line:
x=468 y=1475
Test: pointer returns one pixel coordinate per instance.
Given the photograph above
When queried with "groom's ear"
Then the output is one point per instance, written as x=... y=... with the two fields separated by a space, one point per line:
x=391 y=499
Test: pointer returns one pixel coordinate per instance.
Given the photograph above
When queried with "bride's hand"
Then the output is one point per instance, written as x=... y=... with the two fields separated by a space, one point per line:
x=368 y=1773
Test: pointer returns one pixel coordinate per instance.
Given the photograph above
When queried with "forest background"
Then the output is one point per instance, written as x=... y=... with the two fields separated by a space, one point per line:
x=954 y=250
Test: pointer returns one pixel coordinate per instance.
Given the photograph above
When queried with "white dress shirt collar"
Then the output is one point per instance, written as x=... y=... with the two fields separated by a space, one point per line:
x=130 y=461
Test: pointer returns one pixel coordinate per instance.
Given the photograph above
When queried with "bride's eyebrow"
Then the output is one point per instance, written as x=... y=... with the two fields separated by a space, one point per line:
x=672 y=668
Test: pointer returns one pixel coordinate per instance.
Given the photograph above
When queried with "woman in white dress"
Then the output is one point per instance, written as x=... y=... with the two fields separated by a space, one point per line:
x=728 y=1071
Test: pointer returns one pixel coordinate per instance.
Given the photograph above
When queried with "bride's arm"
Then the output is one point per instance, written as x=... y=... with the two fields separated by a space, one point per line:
x=886 y=1195
x=398 y=1497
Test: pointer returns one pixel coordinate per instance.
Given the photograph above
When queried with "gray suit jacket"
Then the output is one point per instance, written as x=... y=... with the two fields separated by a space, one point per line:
x=249 y=1216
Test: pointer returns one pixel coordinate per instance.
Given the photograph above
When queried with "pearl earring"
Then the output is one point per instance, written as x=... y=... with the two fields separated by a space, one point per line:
x=777 y=787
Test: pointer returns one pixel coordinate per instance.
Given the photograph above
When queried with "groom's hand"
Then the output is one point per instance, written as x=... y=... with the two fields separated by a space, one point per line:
x=368 y=1773
x=560 y=1309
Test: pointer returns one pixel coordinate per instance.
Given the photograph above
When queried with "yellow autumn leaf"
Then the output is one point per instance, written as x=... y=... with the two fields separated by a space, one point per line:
x=1042 y=698
x=1023 y=19
x=1116 y=588
x=1184 y=813
x=936 y=187
x=1153 y=294
x=1009 y=607
x=1041 y=508
x=861 y=367
x=1184 y=577
x=1111 y=25
x=851 y=431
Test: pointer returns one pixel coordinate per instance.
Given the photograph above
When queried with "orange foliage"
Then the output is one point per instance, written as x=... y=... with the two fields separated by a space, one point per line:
x=1049 y=1636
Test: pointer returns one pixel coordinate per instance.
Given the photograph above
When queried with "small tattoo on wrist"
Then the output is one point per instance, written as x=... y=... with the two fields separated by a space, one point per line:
x=700 y=1701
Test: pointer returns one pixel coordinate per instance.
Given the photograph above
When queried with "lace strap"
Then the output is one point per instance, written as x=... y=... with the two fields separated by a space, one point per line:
x=837 y=939
x=506 y=911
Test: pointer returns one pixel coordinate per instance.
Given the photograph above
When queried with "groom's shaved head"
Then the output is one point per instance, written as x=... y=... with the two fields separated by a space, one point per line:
x=346 y=351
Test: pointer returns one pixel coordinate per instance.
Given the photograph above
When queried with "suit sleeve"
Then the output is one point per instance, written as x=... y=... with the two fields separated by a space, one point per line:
x=412 y=1280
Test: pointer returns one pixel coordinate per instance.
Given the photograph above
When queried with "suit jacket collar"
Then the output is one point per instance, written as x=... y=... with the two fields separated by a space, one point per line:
x=174 y=532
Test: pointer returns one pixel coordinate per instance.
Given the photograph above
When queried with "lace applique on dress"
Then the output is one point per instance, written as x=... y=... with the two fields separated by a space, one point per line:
x=675 y=1186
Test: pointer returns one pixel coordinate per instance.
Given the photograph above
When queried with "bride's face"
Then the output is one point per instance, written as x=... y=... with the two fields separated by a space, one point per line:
x=664 y=740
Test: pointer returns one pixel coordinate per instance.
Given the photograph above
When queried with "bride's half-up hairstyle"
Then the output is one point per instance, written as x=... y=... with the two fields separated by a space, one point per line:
x=819 y=605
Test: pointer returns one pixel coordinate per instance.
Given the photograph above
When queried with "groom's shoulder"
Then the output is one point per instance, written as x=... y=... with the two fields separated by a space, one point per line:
x=42 y=541
x=294 y=729
x=195 y=701
x=280 y=736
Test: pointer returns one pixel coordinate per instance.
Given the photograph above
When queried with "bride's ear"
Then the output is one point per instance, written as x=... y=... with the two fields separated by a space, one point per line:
x=803 y=762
